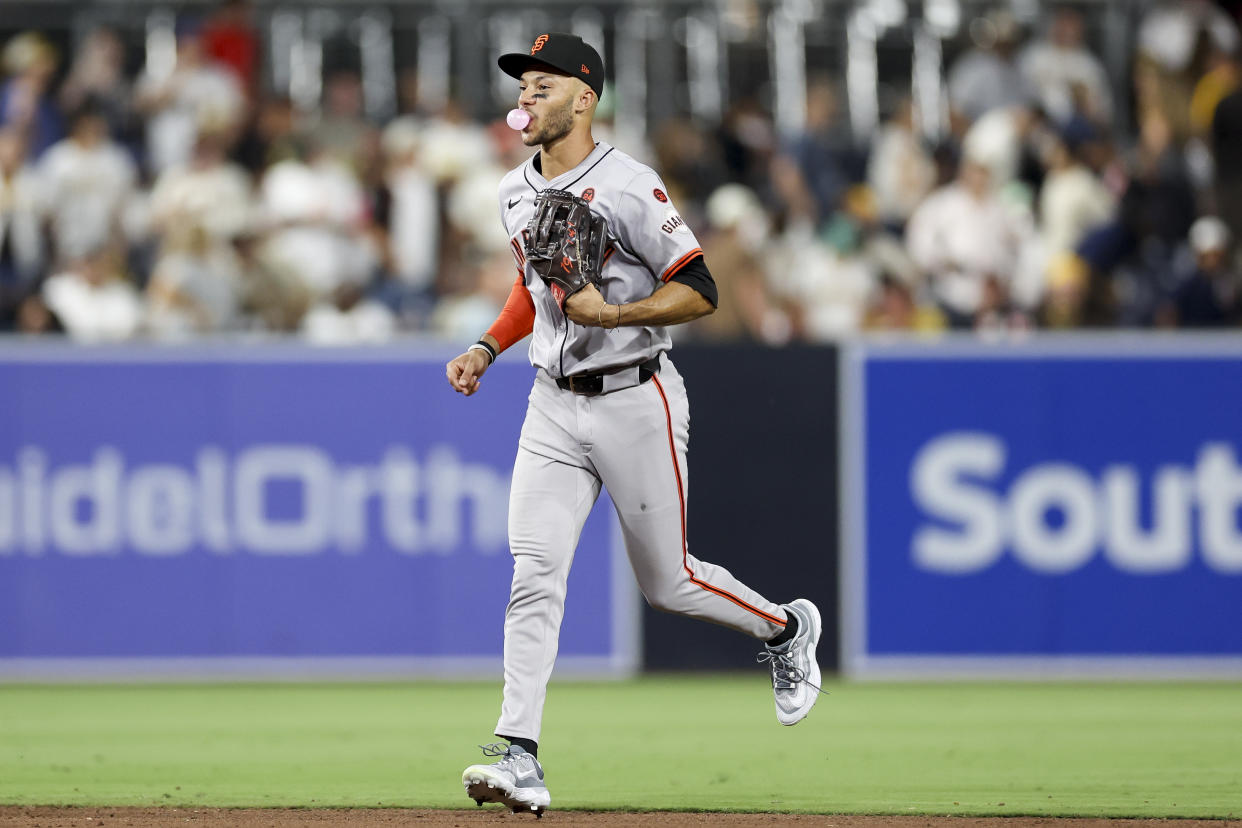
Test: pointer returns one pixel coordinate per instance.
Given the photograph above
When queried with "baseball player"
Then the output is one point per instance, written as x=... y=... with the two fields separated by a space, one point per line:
x=605 y=264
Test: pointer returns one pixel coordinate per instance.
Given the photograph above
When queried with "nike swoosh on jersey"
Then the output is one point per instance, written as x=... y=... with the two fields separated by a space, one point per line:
x=515 y=201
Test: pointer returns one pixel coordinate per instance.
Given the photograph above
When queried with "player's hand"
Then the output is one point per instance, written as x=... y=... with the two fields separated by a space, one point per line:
x=584 y=308
x=464 y=371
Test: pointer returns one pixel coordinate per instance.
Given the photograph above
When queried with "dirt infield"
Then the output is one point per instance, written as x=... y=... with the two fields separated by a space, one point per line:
x=45 y=817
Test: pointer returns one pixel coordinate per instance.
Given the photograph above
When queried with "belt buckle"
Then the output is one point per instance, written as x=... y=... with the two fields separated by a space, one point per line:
x=586 y=384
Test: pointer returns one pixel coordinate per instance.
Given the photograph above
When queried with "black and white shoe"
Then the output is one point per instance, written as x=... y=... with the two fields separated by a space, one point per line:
x=515 y=781
x=795 y=673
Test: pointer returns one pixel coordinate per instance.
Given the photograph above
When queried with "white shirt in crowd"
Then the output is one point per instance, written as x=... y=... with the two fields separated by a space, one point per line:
x=830 y=290
x=86 y=189
x=982 y=81
x=1169 y=31
x=959 y=240
x=368 y=322
x=315 y=211
x=901 y=172
x=194 y=293
x=201 y=95
x=1071 y=202
x=217 y=198
x=415 y=226
x=1053 y=72
x=110 y=311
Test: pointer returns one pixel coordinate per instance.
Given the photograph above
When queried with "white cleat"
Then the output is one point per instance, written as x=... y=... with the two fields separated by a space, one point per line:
x=515 y=781
x=795 y=673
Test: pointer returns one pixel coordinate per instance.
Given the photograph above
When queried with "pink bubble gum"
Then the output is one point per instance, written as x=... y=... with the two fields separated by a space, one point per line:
x=517 y=118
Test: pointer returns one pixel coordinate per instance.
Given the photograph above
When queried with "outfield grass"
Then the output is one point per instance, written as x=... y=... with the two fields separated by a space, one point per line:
x=678 y=743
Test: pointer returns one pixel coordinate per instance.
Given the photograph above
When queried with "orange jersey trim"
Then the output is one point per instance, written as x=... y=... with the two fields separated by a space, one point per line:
x=681 y=496
x=680 y=263
x=517 y=318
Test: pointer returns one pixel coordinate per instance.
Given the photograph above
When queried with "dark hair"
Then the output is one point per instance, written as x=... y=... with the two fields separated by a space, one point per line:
x=91 y=107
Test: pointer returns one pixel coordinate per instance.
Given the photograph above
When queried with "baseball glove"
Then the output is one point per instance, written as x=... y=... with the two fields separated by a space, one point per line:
x=565 y=243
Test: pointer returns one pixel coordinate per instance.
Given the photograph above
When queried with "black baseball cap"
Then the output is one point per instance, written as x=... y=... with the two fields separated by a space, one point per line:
x=564 y=52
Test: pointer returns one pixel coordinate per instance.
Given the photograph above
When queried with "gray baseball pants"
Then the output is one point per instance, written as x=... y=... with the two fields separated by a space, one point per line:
x=633 y=442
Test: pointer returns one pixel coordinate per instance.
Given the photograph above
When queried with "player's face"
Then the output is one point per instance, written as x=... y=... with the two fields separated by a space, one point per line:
x=549 y=99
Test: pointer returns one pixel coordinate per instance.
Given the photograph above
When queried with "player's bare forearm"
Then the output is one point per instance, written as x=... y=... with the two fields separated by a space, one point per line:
x=672 y=304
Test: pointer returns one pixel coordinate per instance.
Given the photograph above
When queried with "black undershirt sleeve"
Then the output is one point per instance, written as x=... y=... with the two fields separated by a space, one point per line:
x=695 y=274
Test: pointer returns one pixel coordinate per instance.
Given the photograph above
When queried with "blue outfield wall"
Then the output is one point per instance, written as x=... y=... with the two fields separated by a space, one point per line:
x=271 y=510
x=1060 y=506
x=1053 y=507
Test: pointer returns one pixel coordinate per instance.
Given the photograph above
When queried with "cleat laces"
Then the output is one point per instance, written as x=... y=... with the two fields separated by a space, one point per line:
x=500 y=749
x=785 y=674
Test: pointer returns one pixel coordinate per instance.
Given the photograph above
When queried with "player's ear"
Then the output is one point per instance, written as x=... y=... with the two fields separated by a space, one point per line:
x=585 y=100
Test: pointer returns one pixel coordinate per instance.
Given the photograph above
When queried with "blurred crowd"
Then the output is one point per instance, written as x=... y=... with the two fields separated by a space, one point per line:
x=189 y=200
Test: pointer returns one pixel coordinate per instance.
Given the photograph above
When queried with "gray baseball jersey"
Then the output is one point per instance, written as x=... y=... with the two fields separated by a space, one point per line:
x=648 y=243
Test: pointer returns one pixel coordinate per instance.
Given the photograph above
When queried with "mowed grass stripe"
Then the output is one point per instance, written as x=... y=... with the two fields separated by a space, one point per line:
x=1145 y=749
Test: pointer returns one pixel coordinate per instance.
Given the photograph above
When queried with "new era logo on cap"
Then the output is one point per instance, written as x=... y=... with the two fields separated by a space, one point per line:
x=564 y=52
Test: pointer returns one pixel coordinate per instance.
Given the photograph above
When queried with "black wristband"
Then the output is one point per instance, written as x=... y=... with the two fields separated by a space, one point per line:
x=491 y=352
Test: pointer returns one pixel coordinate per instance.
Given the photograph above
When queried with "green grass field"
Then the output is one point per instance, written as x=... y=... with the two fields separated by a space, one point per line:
x=1148 y=749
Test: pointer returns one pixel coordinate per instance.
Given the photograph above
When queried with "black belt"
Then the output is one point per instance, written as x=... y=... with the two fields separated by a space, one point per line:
x=594 y=383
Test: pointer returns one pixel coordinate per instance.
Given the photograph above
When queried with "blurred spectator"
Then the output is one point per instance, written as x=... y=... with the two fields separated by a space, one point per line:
x=1064 y=305
x=21 y=226
x=824 y=151
x=789 y=195
x=733 y=248
x=270 y=137
x=208 y=191
x=1064 y=76
x=1073 y=200
x=1175 y=38
x=473 y=194
x=93 y=300
x=453 y=145
x=196 y=92
x=987 y=77
x=689 y=163
x=348 y=317
x=827 y=281
x=35 y=318
x=997 y=140
x=747 y=139
x=968 y=244
x=1220 y=81
x=341 y=129
x=1207 y=297
x=412 y=215
x=88 y=180
x=895 y=308
x=97 y=78
x=462 y=314
x=269 y=297
x=1131 y=258
x=26 y=103
x=231 y=40
x=193 y=287
x=316 y=214
x=1226 y=144
x=901 y=171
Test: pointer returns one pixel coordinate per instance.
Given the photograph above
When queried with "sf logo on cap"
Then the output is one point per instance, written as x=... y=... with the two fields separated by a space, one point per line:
x=539 y=41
